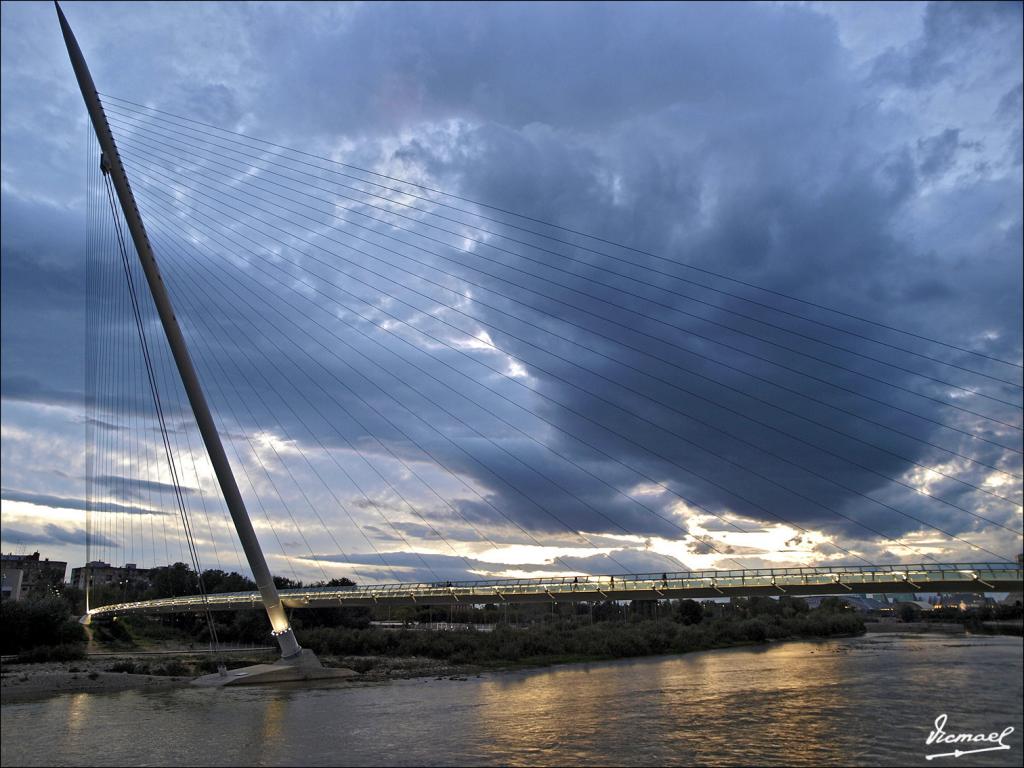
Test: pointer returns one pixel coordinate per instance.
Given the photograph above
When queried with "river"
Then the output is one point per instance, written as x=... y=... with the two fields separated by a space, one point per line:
x=864 y=701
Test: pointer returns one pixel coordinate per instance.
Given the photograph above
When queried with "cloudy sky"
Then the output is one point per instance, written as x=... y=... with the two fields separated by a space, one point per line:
x=418 y=385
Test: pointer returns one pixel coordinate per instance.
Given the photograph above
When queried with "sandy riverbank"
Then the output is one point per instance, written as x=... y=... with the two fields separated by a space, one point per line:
x=100 y=674
x=20 y=682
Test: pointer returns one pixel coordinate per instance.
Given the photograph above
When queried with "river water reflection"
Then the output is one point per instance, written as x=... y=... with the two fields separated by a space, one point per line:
x=863 y=701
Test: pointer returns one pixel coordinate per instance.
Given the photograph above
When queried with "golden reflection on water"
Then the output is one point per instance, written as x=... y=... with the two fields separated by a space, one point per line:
x=78 y=709
x=695 y=704
x=75 y=715
x=273 y=719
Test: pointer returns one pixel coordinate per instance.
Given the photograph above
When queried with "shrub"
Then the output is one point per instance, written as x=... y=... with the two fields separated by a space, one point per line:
x=689 y=612
x=754 y=630
x=29 y=624
x=43 y=653
x=362 y=665
x=112 y=632
x=171 y=669
x=571 y=638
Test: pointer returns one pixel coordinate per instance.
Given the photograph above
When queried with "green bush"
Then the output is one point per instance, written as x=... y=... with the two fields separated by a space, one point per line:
x=171 y=669
x=30 y=624
x=43 y=653
x=755 y=630
x=112 y=631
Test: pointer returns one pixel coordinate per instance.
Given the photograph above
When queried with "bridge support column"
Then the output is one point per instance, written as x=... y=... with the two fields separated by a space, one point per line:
x=204 y=419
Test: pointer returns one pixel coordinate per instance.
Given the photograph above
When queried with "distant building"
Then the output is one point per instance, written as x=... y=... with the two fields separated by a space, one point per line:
x=24 y=576
x=10 y=584
x=1015 y=598
x=103 y=574
x=963 y=602
x=913 y=597
x=860 y=603
x=922 y=605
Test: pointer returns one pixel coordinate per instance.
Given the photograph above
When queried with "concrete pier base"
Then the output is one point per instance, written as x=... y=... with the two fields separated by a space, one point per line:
x=305 y=666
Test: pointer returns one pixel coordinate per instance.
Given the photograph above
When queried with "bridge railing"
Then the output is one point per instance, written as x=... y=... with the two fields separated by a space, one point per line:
x=694 y=579
x=752 y=573
x=861 y=578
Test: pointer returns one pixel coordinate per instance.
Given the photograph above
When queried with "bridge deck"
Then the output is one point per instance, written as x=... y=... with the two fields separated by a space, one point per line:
x=821 y=580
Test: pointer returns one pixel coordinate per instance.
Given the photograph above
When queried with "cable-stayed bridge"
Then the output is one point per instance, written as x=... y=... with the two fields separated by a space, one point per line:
x=411 y=384
x=827 y=580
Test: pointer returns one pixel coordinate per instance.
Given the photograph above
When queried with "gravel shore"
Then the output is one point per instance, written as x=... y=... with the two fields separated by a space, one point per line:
x=23 y=682
x=20 y=682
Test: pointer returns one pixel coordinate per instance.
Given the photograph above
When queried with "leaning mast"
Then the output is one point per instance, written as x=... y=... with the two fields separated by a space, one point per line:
x=204 y=419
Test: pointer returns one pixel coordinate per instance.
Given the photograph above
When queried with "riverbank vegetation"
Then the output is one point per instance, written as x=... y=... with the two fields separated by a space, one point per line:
x=998 y=619
x=41 y=630
x=529 y=634
x=640 y=631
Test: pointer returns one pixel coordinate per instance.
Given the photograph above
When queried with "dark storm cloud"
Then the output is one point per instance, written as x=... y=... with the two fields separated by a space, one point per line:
x=556 y=64
x=938 y=152
x=33 y=390
x=469 y=569
x=43 y=303
x=737 y=139
x=134 y=488
x=63 y=502
x=1010 y=106
x=950 y=29
x=834 y=238
x=55 y=535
